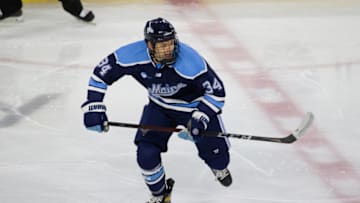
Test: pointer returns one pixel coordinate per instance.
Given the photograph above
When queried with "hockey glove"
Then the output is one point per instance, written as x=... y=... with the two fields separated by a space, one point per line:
x=197 y=124
x=94 y=116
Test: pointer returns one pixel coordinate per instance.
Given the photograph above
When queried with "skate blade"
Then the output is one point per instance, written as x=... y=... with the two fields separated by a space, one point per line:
x=13 y=19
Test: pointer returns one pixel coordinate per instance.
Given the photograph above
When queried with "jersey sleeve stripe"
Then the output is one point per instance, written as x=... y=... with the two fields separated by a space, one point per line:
x=215 y=101
x=97 y=79
x=95 y=89
x=97 y=84
x=210 y=105
x=216 y=98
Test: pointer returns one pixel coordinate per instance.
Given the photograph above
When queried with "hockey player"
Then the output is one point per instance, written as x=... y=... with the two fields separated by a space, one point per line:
x=12 y=8
x=183 y=90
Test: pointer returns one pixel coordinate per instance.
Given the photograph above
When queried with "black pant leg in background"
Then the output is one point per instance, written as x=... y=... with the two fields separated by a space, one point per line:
x=9 y=7
x=74 y=7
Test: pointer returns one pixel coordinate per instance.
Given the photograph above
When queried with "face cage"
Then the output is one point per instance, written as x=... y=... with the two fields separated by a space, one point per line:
x=164 y=61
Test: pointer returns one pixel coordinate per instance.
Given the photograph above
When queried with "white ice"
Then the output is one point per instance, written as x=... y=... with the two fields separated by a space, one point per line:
x=303 y=55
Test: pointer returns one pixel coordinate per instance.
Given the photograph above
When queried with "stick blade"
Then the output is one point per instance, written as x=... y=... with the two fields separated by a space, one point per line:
x=304 y=125
x=298 y=132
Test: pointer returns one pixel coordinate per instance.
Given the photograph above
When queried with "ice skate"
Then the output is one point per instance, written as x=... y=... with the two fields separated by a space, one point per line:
x=223 y=176
x=14 y=17
x=75 y=8
x=86 y=15
x=166 y=197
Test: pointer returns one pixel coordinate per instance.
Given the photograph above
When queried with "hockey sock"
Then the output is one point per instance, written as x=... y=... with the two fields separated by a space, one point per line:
x=149 y=160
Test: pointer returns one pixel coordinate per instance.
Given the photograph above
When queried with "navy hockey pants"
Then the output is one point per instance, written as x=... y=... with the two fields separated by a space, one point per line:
x=213 y=150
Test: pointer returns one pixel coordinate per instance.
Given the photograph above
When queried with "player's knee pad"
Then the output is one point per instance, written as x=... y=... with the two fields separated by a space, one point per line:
x=148 y=155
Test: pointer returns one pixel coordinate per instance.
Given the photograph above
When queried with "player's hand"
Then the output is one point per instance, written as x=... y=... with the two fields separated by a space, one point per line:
x=197 y=124
x=95 y=116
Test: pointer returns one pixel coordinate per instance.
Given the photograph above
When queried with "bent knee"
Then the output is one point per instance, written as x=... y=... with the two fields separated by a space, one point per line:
x=148 y=155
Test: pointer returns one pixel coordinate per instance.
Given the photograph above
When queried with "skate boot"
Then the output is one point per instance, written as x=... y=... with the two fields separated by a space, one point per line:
x=166 y=197
x=86 y=15
x=75 y=8
x=16 y=16
x=223 y=176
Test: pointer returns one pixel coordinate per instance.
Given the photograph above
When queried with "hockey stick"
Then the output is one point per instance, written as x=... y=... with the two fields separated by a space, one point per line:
x=295 y=135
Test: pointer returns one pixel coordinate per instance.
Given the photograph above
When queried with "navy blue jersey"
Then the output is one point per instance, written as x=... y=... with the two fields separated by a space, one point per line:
x=187 y=85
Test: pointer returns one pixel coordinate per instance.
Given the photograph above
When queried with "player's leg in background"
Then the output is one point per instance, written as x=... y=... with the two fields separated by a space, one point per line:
x=215 y=152
x=10 y=8
x=150 y=144
x=75 y=8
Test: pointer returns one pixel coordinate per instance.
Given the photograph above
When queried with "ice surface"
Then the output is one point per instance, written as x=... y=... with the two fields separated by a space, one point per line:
x=278 y=60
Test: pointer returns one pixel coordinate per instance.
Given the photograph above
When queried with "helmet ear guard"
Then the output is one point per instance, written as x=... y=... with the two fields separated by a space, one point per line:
x=160 y=30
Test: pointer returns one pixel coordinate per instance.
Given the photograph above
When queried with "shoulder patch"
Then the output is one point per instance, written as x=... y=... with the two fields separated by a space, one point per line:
x=189 y=63
x=132 y=54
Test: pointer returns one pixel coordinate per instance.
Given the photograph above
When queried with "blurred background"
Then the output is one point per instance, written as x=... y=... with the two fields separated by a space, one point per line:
x=278 y=59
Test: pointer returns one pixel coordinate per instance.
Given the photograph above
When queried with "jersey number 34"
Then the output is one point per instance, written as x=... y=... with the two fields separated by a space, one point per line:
x=216 y=85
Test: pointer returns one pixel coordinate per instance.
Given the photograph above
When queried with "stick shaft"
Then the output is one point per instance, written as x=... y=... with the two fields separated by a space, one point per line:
x=306 y=122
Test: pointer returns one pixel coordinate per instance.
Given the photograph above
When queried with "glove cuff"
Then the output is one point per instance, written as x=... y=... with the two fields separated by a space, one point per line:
x=93 y=107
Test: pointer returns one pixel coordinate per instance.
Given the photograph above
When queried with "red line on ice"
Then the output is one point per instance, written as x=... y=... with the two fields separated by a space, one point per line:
x=333 y=174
